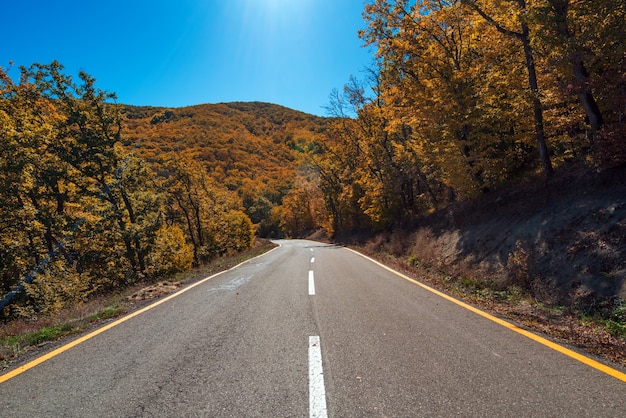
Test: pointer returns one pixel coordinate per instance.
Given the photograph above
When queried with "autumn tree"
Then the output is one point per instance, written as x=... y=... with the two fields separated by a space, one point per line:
x=583 y=44
x=91 y=134
x=369 y=175
x=509 y=18
x=212 y=218
x=78 y=213
x=303 y=210
x=466 y=94
x=337 y=166
x=557 y=16
x=32 y=205
x=430 y=92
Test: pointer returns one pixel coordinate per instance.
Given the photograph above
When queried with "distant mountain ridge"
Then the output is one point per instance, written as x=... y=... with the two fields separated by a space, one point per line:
x=221 y=132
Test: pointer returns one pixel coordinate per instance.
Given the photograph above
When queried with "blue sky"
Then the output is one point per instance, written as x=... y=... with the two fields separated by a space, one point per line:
x=184 y=52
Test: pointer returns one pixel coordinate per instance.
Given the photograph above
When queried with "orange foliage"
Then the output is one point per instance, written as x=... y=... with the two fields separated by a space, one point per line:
x=252 y=149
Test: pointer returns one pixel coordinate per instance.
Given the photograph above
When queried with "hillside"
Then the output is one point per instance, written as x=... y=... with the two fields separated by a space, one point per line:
x=564 y=243
x=235 y=141
x=251 y=148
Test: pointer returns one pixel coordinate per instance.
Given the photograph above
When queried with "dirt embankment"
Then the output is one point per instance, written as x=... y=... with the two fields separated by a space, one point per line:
x=564 y=242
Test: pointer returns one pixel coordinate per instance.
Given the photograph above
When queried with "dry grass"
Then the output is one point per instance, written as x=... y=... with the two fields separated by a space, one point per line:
x=22 y=335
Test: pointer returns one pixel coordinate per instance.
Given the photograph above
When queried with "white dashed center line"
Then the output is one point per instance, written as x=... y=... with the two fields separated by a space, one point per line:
x=317 y=392
x=311 y=284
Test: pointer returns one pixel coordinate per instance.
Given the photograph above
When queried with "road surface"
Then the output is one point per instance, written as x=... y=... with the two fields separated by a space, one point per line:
x=310 y=329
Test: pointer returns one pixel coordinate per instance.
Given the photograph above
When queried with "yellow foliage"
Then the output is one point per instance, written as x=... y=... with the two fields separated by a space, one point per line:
x=235 y=231
x=170 y=252
x=56 y=288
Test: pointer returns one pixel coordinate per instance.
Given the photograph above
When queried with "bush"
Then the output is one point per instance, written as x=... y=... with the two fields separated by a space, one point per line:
x=236 y=232
x=54 y=289
x=170 y=254
x=519 y=264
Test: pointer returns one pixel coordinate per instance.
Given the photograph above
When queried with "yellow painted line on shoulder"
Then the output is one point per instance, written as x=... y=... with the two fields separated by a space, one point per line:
x=557 y=347
x=19 y=370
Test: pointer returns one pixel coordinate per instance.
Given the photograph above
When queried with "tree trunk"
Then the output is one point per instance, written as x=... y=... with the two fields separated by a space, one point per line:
x=130 y=253
x=594 y=116
x=136 y=240
x=537 y=107
x=588 y=102
x=189 y=227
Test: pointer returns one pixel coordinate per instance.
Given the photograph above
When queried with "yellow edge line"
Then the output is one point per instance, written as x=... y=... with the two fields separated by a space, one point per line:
x=566 y=351
x=54 y=353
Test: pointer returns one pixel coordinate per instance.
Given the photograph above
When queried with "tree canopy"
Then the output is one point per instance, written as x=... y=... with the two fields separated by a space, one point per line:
x=468 y=96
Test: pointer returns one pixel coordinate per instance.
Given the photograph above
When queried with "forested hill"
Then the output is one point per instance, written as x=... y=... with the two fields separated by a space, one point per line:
x=251 y=148
x=235 y=141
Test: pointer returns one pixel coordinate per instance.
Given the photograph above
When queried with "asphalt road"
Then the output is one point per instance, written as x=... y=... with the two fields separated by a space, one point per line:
x=310 y=330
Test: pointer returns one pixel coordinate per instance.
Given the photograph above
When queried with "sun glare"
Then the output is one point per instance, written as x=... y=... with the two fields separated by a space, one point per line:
x=273 y=22
x=277 y=12
x=268 y=34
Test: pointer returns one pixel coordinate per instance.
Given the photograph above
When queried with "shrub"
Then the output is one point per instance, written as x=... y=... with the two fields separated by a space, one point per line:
x=54 y=289
x=170 y=254
x=519 y=264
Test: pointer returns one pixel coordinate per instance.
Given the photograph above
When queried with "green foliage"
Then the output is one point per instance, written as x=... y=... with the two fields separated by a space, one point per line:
x=47 y=334
x=616 y=328
x=616 y=323
x=413 y=260
x=107 y=312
